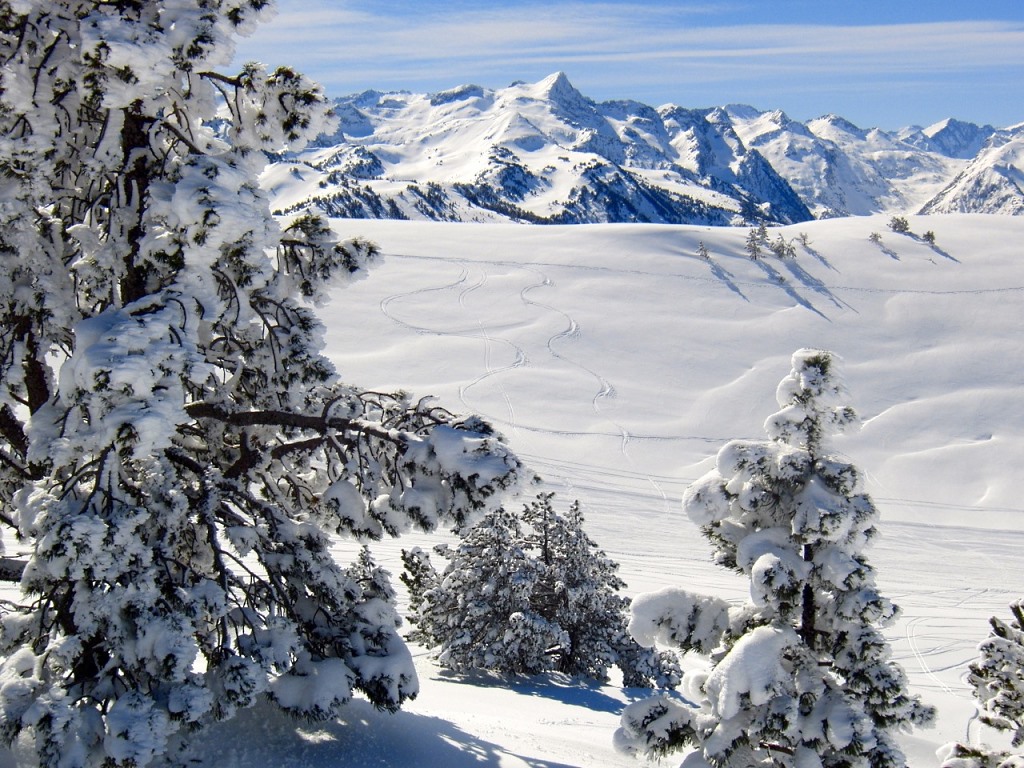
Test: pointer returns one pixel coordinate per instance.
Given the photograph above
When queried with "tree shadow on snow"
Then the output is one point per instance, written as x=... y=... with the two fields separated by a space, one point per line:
x=809 y=280
x=725 y=276
x=364 y=737
x=817 y=255
x=560 y=688
x=943 y=253
x=571 y=692
x=888 y=251
x=775 y=277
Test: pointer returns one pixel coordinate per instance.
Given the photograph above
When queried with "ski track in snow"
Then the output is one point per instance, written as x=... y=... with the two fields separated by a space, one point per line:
x=569 y=332
x=572 y=331
x=778 y=282
x=605 y=391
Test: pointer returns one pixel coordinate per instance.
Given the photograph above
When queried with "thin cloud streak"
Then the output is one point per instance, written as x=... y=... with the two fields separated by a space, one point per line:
x=658 y=53
x=360 y=37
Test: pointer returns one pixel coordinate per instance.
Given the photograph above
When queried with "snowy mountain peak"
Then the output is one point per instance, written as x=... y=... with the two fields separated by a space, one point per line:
x=992 y=182
x=940 y=126
x=955 y=138
x=834 y=125
x=557 y=87
x=740 y=111
x=461 y=93
x=533 y=152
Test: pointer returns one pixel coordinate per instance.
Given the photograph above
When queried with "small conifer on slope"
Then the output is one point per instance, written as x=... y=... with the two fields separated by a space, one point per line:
x=800 y=676
x=998 y=680
x=526 y=594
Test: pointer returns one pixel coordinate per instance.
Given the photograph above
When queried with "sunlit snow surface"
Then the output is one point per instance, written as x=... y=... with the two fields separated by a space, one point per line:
x=617 y=362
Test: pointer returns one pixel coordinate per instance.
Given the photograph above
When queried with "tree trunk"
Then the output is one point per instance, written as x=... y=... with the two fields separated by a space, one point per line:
x=808 y=609
x=134 y=144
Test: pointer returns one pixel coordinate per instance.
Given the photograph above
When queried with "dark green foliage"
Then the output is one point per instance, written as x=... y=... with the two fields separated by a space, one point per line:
x=529 y=593
x=899 y=224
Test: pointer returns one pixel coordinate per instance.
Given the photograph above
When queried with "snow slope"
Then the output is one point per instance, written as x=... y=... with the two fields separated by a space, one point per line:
x=617 y=363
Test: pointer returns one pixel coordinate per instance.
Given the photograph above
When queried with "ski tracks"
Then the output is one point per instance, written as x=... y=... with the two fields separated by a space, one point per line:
x=477 y=293
x=477 y=330
x=605 y=390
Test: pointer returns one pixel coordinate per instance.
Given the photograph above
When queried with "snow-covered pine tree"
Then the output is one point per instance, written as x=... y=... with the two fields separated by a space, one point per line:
x=480 y=613
x=782 y=248
x=537 y=571
x=998 y=680
x=900 y=225
x=753 y=245
x=418 y=575
x=578 y=591
x=173 y=445
x=801 y=676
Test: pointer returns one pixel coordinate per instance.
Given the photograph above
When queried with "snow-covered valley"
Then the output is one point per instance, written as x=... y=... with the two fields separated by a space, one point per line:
x=617 y=362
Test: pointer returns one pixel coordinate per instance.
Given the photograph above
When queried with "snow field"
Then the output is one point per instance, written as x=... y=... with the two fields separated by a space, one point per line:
x=617 y=363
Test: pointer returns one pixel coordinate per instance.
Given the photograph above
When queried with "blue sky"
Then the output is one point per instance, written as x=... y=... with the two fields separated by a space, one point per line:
x=876 y=62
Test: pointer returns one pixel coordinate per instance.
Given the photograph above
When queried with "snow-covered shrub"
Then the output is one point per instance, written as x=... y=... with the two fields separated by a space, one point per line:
x=801 y=675
x=998 y=680
x=530 y=593
x=782 y=248
x=175 y=448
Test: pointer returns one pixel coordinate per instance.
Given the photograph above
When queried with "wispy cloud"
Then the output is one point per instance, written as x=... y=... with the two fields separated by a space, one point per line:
x=652 y=48
x=603 y=32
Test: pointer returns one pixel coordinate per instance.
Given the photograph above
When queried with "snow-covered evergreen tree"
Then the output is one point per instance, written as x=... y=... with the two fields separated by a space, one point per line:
x=998 y=680
x=900 y=225
x=753 y=245
x=173 y=445
x=537 y=572
x=800 y=676
x=579 y=592
x=782 y=248
x=418 y=575
x=480 y=613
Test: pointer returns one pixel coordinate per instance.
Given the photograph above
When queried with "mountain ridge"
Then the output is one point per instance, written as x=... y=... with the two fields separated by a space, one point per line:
x=546 y=153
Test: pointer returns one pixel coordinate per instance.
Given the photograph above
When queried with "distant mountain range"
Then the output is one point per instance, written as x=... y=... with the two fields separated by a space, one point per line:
x=545 y=153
